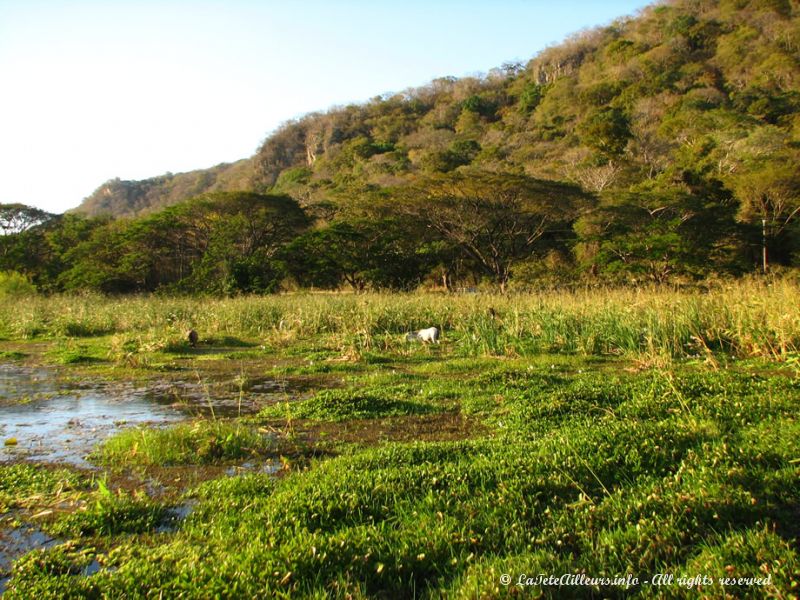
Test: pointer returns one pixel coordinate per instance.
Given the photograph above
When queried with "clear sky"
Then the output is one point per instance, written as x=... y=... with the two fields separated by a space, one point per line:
x=91 y=90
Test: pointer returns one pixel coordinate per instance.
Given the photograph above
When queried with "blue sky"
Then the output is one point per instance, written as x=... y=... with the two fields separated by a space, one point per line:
x=93 y=90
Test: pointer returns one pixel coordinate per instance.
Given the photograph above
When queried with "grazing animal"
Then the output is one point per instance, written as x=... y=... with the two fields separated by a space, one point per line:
x=431 y=334
x=191 y=335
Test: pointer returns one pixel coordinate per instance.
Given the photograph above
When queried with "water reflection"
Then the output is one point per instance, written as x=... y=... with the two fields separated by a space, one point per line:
x=39 y=422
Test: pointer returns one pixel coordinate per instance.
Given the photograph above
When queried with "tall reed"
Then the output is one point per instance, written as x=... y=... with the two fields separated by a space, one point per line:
x=746 y=318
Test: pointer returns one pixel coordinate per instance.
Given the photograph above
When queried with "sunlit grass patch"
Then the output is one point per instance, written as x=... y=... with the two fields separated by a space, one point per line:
x=316 y=367
x=24 y=485
x=343 y=404
x=197 y=443
x=755 y=552
x=743 y=319
x=108 y=513
x=71 y=352
x=57 y=573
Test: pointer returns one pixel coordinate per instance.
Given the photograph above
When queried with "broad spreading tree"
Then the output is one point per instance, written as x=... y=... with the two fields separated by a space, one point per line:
x=496 y=219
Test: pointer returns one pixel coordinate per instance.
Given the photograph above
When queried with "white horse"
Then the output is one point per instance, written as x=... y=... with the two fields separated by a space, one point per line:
x=429 y=335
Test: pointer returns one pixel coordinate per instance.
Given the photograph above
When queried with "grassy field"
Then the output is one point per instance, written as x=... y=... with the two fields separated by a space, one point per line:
x=744 y=319
x=598 y=434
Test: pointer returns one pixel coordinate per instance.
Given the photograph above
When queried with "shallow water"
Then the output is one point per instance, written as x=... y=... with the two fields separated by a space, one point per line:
x=175 y=516
x=52 y=423
x=39 y=422
x=16 y=541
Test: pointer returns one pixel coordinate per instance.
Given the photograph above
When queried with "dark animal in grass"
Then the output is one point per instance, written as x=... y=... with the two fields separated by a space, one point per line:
x=429 y=335
x=191 y=335
x=494 y=316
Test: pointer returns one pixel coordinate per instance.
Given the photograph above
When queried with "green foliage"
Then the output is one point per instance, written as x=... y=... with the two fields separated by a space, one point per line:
x=600 y=94
x=657 y=234
x=607 y=131
x=378 y=254
x=290 y=177
x=15 y=284
x=341 y=405
x=494 y=219
x=23 y=485
x=530 y=97
x=604 y=473
x=111 y=514
x=203 y=442
x=223 y=243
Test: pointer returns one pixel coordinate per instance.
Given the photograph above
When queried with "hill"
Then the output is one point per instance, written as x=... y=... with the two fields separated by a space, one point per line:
x=131 y=198
x=659 y=148
x=689 y=86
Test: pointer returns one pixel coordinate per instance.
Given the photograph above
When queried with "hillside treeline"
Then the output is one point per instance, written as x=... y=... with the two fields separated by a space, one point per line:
x=659 y=147
x=445 y=230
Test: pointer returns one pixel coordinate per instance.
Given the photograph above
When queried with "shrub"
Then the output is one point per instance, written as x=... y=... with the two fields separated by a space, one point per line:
x=15 y=284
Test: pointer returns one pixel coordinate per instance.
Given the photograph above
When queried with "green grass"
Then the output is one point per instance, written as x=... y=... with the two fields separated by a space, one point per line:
x=615 y=432
x=747 y=318
x=357 y=403
x=69 y=351
x=24 y=486
x=111 y=514
x=198 y=443
x=685 y=471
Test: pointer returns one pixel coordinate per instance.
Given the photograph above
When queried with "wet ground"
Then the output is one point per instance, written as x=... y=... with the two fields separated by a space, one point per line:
x=45 y=420
x=16 y=541
x=241 y=395
x=164 y=484
x=49 y=416
x=40 y=422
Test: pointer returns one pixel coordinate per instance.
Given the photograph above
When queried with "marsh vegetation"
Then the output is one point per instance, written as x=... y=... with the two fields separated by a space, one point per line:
x=605 y=432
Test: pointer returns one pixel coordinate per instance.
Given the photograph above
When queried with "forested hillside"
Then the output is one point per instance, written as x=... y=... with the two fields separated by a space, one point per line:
x=130 y=198
x=659 y=147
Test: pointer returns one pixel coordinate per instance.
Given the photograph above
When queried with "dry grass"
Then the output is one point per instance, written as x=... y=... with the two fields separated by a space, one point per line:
x=748 y=319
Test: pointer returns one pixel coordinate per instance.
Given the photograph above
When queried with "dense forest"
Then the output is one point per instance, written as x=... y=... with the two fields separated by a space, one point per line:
x=662 y=147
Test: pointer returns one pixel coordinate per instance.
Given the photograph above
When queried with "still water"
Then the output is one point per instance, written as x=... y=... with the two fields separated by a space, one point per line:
x=40 y=421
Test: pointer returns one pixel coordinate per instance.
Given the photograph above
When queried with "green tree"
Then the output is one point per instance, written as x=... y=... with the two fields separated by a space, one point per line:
x=762 y=172
x=16 y=218
x=222 y=243
x=105 y=262
x=17 y=250
x=658 y=233
x=606 y=131
x=495 y=219
x=231 y=240
x=360 y=253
